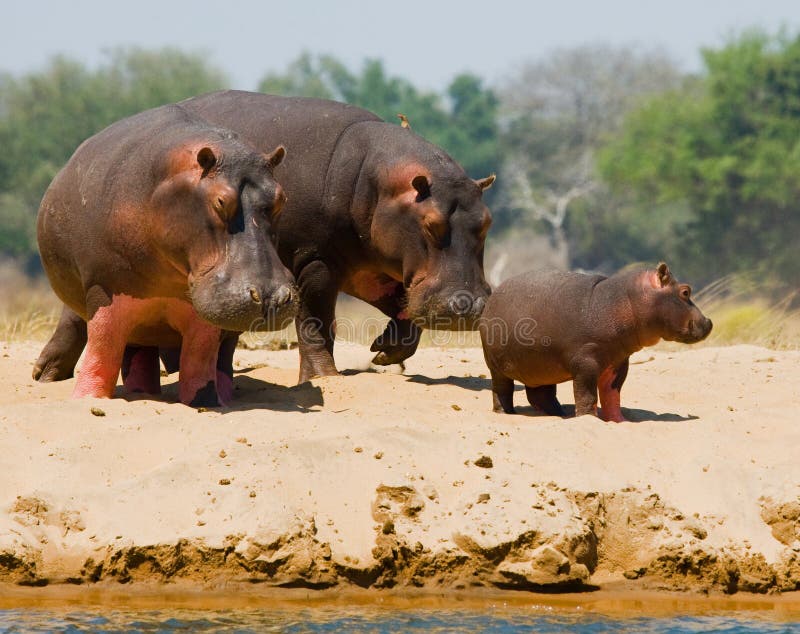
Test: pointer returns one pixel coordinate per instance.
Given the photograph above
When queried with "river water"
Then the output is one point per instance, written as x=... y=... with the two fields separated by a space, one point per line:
x=365 y=619
x=168 y=608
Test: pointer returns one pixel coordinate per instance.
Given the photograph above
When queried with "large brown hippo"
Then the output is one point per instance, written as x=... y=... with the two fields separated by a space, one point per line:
x=548 y=327
x=372 y=210
x=155 y=233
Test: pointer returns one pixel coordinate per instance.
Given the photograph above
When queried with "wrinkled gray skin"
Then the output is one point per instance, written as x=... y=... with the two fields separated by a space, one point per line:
x=372 y=210
x=164 y=205
x=544 y=328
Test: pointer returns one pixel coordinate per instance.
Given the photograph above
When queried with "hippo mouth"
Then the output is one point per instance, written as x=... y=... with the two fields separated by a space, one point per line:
x=458 y=311
x=244 y=308
x=695 y=331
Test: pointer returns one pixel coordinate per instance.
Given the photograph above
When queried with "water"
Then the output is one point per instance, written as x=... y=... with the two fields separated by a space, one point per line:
x=375 y=620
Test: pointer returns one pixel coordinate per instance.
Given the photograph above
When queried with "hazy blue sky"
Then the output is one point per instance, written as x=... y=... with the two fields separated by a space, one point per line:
x=426 y=41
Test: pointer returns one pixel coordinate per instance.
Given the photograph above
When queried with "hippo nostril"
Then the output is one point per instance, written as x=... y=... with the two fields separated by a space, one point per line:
x=461 y=302
x=254 y=295
x=282 y=295
x=480 y=304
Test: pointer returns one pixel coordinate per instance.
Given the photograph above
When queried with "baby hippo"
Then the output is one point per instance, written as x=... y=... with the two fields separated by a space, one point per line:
x=544 y=328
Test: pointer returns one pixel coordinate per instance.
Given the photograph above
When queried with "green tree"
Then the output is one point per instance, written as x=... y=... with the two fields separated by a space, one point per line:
x=44 y=116
x=558 y=112
x=463 y=121
x=725 y=152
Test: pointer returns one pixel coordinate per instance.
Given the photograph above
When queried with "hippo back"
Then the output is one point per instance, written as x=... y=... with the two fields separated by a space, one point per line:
x=309 y=129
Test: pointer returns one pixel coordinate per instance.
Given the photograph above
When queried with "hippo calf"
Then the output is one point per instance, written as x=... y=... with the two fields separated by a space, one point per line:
x=548 y=327
x=156 y=233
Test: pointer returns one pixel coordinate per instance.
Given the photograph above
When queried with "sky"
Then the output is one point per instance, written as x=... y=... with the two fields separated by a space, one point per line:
x=427 y=42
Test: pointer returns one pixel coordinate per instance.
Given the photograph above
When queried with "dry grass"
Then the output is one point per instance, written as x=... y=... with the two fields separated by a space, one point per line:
x=29 y=311
x=28 y=307
x=741 y=315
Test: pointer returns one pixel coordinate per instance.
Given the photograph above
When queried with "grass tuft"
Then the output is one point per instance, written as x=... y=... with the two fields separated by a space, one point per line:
x=29 y=310
x=28 y=307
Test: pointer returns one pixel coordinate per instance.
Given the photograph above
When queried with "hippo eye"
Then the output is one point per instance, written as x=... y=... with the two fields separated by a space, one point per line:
x=435 y=227
x=224 y=208
x=686 y=292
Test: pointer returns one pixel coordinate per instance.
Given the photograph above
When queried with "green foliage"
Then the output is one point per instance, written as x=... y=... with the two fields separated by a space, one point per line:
x=45 y=116
x=728 y=149
x=558 y=112
x=463 y=122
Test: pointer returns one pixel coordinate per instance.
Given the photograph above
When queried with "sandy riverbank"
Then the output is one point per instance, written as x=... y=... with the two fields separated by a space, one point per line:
x=370 y=480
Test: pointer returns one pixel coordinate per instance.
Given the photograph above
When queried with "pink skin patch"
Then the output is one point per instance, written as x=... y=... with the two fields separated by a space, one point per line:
x=143 y=372
x=371 y=286
x=224 y=388
x=108 y=332
x=609 y=397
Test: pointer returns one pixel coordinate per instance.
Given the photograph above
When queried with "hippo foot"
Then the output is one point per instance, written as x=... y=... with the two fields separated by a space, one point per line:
x=612 y=417
x=397 y=343
x=391 y=354
x=206 y=396
x=386 y=358
x=48 y=370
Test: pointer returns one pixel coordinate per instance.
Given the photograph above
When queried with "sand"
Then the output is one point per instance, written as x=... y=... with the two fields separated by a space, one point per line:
x=389 y=480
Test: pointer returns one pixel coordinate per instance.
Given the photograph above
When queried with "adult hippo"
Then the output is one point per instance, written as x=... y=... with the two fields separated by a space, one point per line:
x=372 y=210
x=153 y=234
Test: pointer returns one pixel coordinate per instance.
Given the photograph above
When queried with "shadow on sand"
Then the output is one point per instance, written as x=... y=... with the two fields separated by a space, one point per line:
x=249 y=393
x=632 y=415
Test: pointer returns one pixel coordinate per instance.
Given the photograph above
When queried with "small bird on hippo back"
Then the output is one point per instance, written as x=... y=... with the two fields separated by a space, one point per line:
x=548 y=327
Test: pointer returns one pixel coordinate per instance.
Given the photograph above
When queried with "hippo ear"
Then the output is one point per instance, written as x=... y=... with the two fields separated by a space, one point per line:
x=486 y=183
x=664 y=274
x=276 y=157
x=206 y=159
x=423 y=187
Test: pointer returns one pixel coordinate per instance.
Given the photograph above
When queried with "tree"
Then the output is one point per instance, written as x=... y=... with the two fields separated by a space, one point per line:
x=727 y=152
x=463 y=121
x=44 y=116
x=558 y=112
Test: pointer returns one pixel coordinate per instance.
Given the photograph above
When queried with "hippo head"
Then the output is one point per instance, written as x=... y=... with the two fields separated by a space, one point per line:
x=670 y=312
x=220 y=236
x=430 y=223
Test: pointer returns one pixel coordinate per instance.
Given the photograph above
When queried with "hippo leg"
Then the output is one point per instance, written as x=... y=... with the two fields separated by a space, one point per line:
x=227 y=347
x=502 y=393
x=171 y=358
x=58 y=358
x=399 y=339
x=107 y=333
x=584 y=386
x=610 y=385
x=315 y=320
x=140 y=370
x=197 y=382
x=397 y=342
x=544 y=398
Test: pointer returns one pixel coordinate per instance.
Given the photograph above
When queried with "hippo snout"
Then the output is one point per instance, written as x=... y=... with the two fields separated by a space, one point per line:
x=702 y=328
x=450 y=311
x=281 y=308
x=463 y=303
x=279 y=305
x=696 y=330
x=283 y=295
x=241 y=307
